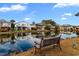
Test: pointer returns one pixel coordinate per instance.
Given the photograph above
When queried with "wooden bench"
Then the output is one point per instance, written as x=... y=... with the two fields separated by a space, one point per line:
x=55 y=41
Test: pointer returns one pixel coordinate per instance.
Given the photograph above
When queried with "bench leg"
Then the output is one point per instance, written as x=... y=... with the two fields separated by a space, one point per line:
x=35 y=51
x=59 y=47
x=40 y=51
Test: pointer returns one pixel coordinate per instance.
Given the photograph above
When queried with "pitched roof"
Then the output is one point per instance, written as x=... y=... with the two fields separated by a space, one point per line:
x=2 y=20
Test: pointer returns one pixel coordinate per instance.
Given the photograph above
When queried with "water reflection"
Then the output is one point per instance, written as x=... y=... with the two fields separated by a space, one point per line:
x=4 y=38
x=19 y=42
x=65 y=36
x=12 y=38
x=14 y=43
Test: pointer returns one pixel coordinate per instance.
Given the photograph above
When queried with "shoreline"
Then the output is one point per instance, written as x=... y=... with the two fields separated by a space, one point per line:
x=22 y=31
x=66 y=45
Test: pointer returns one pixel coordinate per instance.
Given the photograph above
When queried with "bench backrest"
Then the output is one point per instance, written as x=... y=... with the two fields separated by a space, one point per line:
x=50 y=41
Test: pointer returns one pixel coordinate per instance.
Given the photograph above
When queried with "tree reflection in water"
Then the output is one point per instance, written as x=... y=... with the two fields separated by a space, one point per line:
x=12 y=38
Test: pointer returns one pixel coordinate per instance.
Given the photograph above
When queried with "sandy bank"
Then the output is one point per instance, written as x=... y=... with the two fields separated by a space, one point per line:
x=66 y=45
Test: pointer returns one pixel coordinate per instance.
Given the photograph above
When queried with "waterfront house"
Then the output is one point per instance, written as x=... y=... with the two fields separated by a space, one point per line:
x=37 y=27
x=66 y=27
x=33 y=27
x=41 y=27
x=23 y=25
x=77 y=28
x=4 y=25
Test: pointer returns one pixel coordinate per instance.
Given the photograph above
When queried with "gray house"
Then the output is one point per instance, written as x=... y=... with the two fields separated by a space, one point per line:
x=4 y=25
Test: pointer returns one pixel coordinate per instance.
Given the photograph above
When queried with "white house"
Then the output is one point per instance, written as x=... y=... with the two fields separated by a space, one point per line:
x=23 y=25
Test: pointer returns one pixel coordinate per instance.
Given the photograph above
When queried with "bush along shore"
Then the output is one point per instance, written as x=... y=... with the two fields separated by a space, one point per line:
x=22 y=31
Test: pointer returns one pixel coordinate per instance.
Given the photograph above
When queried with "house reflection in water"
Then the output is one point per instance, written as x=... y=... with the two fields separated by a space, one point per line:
x=4 y=38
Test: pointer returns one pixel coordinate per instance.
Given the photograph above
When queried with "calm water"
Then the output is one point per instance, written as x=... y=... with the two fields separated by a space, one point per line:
x=21 y=42
x=65 y=36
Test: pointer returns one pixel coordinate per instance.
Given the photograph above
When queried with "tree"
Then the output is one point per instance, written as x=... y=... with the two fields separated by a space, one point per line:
x=47 y=27
x=33 y=23
x=57 y=31
x=48 y=22
x=12 y=25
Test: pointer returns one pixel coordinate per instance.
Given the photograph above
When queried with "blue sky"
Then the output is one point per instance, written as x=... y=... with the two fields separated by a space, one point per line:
x=62 y=13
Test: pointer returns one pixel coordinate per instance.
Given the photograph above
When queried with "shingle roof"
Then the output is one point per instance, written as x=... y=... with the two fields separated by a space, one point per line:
x=2 y=20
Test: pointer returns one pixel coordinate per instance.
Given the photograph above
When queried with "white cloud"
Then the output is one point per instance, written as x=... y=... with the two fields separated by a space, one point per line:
x=27 y=19
x=18 y=7
x=65 y=4
x=31 y=13
x=67 y=14
x=13 y=8
x=30 y=16
x=63 y=18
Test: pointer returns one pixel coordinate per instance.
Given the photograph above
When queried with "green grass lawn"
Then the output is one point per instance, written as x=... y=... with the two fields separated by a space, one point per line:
x=21 y=31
